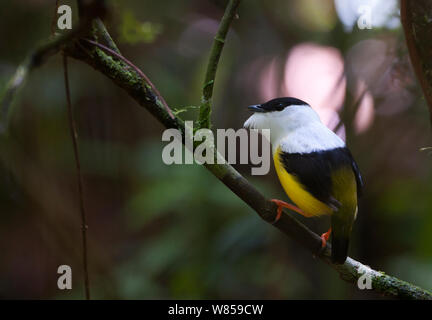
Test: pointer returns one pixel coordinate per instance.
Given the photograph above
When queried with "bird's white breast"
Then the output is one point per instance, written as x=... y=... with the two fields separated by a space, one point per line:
x=312 y=137
x=296 y=129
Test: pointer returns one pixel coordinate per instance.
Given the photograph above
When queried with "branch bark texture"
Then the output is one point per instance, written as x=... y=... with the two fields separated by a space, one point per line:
x=215 y=54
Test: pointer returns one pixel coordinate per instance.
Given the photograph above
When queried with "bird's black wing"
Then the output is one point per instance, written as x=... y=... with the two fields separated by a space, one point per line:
x=358 y=176
x=313 y=170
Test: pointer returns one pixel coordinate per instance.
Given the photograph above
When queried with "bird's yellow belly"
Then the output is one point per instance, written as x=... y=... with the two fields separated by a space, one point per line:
x=297 y=193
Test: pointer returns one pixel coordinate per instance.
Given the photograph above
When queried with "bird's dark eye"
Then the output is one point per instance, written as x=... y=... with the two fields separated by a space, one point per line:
x=280 y=106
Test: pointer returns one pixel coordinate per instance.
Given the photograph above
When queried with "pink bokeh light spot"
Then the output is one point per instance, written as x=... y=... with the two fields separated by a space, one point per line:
x=315 y=74
x=365 y=111
x=270 y=87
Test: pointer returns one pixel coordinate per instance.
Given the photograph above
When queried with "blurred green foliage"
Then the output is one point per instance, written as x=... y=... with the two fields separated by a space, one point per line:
x=133 y=31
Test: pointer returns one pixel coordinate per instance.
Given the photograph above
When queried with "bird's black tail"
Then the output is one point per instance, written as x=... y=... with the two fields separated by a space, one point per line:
x=341 y=230
x=339 y=249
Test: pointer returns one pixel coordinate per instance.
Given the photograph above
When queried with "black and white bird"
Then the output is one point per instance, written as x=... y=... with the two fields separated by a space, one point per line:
x=314 y=166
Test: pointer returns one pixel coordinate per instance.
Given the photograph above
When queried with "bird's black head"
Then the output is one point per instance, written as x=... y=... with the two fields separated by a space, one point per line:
x=277 y=104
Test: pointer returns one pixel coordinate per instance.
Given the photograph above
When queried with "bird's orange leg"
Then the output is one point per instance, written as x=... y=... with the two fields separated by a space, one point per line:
x=324 y=237
x=282 y=204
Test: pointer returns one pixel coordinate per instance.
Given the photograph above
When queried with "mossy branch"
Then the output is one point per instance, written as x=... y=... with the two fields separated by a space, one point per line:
x=215 y=54
x=106 y=36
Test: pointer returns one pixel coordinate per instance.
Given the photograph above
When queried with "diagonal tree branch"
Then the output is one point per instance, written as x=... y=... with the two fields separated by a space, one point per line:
x=215 y=54
x=74 y=137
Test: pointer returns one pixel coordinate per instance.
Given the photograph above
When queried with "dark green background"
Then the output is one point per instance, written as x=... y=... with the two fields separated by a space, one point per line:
x=158 y=231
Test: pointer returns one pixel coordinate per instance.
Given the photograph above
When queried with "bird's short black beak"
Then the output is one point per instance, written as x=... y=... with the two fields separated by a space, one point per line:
x=256 y=108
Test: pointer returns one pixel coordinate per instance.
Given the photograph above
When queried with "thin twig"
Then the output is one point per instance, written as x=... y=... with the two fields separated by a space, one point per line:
x=215 y=54
x=74 y=136
x=354 y=108
x=138 y=70
x=54 y=19
x=106 y=36
x=81 y=8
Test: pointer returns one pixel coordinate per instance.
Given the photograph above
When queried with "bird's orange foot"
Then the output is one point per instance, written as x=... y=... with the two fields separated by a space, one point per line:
x=282 y=204
x=324 y=238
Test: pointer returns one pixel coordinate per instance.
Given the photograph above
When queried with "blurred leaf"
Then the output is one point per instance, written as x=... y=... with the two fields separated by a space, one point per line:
x=133 y=283
x=186 y=282
x=138 y=277
x=158 y=198
x=133 y=31
x=179 y=110
x=241 y=236
x=404 y=196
